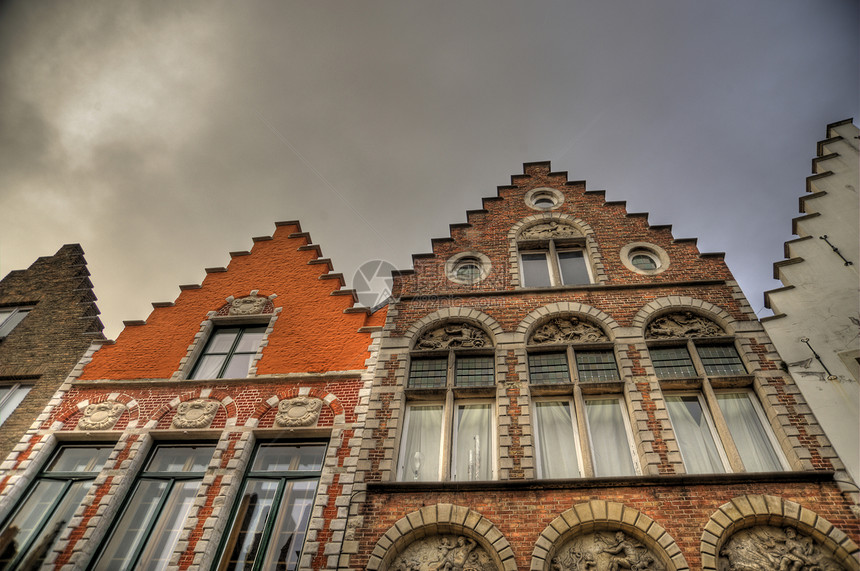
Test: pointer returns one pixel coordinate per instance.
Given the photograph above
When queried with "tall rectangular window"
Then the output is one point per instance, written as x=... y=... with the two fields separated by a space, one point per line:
x=471 y=454
x=228 y=353
x=753 y=439
x=10 y=317
x=573 y=267
x=34 y=527
x=557 y=450
x=421 y=451
x=10 y=397
x=695 y=433
x=536 y=269
x=271 y=518
x=611 y=449
x=145 y=535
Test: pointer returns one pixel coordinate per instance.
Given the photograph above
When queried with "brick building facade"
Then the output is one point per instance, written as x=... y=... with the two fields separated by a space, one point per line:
x=222 y=432
x=48 y=319
x=558 y=386
x=562 y=386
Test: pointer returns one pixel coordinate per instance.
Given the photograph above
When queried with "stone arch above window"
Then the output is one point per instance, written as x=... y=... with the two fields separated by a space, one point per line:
x=613 y=525
x=443 y=531
x=566 y=310
x=451 y=315
x=554 y=233
x=758 y=520
x=680 y=304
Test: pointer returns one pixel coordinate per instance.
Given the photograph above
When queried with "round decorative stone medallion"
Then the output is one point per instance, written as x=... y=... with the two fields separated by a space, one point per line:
x=101 y=416
x=299 y=411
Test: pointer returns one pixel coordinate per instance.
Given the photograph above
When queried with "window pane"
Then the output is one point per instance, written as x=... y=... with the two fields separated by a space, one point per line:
x=250 y=340
x=535 y=270
x=548 y=368
x=162 y=539
x=249 y=524
x=288 y=533
x=180 y=459
x=288 y=458
x=420 y=453
x=555 y=441
x=131 y=528
x=573 y=268
x=238 y=366
x=221 y=341
x=610 y=448
x=472 y=458
x=10 y=321
x=474 y=372
x=20 y=529
x=11 y=401
x=672 y=362
x=80 y=459
x=209 y=367
x=53 y=527
x=695 y=438
x=751 y=438
x=596 y=365
x=644 y=262
x=721 y=360
x=428 y=373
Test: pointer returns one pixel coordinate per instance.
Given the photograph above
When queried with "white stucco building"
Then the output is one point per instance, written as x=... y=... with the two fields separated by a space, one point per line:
x=816 y=321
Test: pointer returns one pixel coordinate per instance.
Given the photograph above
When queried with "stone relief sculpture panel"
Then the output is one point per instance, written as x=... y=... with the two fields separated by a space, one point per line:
x=567 y=330
x=444 y=553
x=197 y=413
x=250 y=305
x=299 y=411
x=547 y=230
x=453 y=335
x=769 y=548
x=601 y=551
x=682 y=324
x=101 y=416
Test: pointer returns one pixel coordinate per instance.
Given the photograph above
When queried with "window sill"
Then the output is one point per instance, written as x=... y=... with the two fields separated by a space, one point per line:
x=610 y=482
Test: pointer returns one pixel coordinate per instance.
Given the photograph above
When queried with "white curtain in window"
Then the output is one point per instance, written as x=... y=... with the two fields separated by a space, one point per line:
x=556 y=444
x=747 y=431
x=419 y=457
x=694 y=435
x=610 y=448
x=472 y=443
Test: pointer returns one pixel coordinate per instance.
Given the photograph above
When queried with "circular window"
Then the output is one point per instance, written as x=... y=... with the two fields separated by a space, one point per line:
x=644 y=258
x=467 y=267
x=643 y=261
x=544 y=199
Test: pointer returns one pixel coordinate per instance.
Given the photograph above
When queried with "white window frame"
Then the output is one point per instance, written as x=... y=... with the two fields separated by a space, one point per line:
x=447 y=437
x=709 y=420
x=569 y=401
x=551 y=250
x=762 y=418
x=628 y=430
x=15 y=311
x=16 y=387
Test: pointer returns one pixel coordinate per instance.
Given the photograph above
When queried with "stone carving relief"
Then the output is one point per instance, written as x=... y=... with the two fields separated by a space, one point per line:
x=601 y=551
x=547 y=230
x=101 y=416
x=445 y=552
x=769 y=548
x=250 y=305
x=453 y=335
x=567 y=330
x=682 y=324
x=299 y=411
x=197 y=413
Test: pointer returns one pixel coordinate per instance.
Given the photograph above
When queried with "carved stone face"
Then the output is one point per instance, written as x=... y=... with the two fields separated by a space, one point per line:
x=197 y=413
x=250 y=305
x=101 y=416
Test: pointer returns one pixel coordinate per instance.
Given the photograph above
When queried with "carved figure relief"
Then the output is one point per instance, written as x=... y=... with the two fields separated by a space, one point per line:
x=299 y=411
x=444 y=553
x=567 y=330
x=769 y=548
x=101 y=416
x=197 y=413
x=250 y=305
x=602 y=552
x=682 y=324
x=551 y=229
x=453 y=335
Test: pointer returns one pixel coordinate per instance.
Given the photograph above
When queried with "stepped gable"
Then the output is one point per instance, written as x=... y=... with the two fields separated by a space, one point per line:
x=317 y=328
x=487 y=231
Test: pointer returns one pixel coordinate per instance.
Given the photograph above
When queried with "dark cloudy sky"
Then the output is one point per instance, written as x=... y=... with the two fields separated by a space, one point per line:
x=162 y=135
